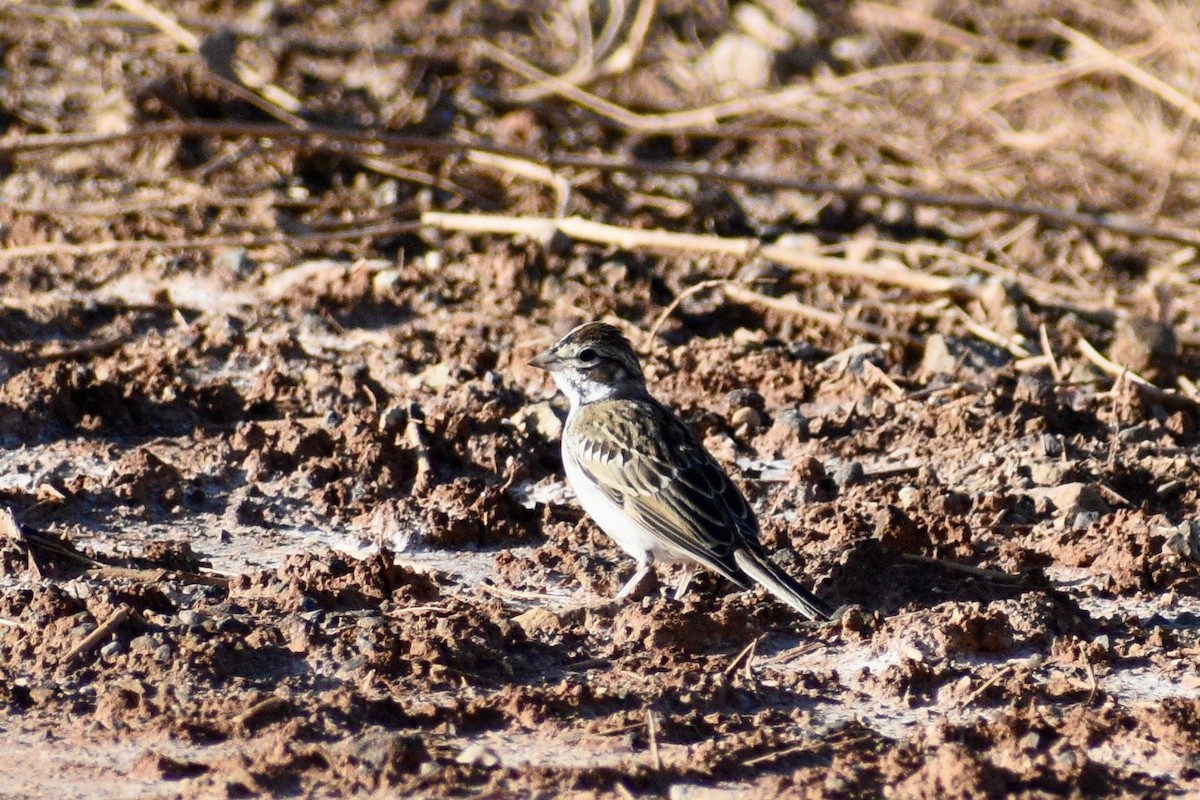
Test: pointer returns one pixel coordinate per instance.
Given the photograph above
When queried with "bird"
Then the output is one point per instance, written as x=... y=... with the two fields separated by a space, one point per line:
x=647 y=481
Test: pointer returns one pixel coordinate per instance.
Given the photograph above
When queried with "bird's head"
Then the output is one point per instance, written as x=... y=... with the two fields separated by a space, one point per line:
x=593 y=362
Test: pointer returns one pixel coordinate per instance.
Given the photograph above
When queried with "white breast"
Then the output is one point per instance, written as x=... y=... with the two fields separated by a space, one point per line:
x=612 y=519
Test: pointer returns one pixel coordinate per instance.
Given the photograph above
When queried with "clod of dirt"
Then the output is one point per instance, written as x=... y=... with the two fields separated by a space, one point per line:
x=468 y=512
x=954 y=771
x=144 y=480
x=335 y=581
x=655 y=625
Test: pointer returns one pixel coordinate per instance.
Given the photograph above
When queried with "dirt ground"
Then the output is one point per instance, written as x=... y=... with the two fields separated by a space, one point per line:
x=281 y=506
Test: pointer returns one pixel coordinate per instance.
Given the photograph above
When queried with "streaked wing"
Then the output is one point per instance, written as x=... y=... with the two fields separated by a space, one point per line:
x=648 y=462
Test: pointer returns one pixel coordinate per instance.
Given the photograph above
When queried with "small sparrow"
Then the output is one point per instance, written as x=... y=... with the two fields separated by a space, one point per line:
x=645 y=478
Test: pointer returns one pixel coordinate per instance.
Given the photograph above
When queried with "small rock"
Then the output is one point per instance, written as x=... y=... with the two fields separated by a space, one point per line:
x=40 y=695
x=540 y=418
x=853 y=358
x=737 y=64
x=688 y=791
x=898 y=532
x=754 y=21
x=111 y=650
x=192 y=619
x=1045 y=473
x=790 y=423
x=1072 y=498
x=849 y=474
x=1053 y=445
x=477 y=755
x=163 y=653
x=1034 y=390
x=538 y=622
x=746 y=421
x=143 y=643
x=745 y=397
x=235 y=261
x=1144 y=345
x=1184 y=541
x=393 y=418
x=835 y=784
x=952 y=355
x=854 y=49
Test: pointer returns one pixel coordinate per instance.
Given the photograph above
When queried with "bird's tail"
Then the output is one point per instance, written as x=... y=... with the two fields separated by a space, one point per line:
x=780 y=584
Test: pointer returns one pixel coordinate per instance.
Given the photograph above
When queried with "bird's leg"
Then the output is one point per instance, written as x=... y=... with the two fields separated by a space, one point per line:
x=685 y=579
x=644 y=567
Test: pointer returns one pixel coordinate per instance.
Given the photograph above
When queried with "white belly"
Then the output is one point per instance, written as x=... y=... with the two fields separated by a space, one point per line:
x=612 y=519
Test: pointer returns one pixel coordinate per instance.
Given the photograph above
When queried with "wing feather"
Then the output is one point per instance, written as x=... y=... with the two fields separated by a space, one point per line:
x=648 y=462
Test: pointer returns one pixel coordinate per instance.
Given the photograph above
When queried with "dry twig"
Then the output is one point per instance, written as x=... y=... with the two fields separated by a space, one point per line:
x=414 y=433
x=261 y=709
x=96 y=637
x=652 y=733
x=1048 y=353
x=966 y=569
x=989 y=683
x=747 y=655
x=339 y=137
x=775 y=755
x=1110 y=367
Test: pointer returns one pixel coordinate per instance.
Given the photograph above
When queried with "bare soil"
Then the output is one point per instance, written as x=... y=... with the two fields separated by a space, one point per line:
x=281 y=507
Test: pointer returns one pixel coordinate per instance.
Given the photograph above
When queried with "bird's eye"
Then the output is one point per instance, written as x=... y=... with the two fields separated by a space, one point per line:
x=587 y=355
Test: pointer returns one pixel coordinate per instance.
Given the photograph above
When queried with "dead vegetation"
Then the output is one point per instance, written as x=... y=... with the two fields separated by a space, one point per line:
x=925 y=275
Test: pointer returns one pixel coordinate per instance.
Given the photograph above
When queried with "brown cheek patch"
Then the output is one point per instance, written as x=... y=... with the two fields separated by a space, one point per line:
x=609 y=373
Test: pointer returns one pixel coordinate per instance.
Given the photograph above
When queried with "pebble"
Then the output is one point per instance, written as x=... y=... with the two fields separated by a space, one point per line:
x=952 y=355
x=849 y=474
x=1045 y=473
x=192 y=619
x=790 y=423
x=1184 y=541
x=746 y=421
x=538 y=621
x=112 y=649
x=1053 y=445
x=40 y=695
x=757 y=24
x=234 y=260
x=82 y=630
x=308 y=605
x=145 y=642
x=163 y=653
x=689 y=791
x=737 y=63
x=1033 y=390
x=853 y=358
x=540 y=418
x=478 y=756
x=1072 y=498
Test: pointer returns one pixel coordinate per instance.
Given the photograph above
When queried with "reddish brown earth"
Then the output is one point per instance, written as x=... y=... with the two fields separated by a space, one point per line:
x=282 y=508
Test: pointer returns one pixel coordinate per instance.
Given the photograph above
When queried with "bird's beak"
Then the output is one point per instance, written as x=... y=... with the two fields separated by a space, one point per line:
x=544 y=360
